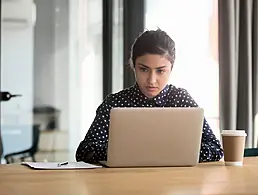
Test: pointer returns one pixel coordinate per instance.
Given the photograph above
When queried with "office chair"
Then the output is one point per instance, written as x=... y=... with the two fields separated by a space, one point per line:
x=28 y=152
x=250 y=152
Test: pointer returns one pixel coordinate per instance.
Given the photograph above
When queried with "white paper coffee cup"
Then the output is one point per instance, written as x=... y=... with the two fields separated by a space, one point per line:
x=233 y=142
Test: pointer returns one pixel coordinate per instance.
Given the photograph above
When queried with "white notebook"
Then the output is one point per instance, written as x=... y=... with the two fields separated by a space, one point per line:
x=54 y=165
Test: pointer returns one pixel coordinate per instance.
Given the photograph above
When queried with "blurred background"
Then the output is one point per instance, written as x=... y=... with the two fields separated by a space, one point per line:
x=64 y=56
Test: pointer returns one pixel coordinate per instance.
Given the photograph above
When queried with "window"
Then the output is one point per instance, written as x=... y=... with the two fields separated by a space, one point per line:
x=118 y=68
x=193 y=25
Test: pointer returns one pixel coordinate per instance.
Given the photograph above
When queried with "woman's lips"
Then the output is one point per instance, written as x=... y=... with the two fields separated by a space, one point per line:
x=151 y=88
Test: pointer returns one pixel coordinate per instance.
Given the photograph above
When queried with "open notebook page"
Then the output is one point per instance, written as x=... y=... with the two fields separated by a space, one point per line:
x=54 y=165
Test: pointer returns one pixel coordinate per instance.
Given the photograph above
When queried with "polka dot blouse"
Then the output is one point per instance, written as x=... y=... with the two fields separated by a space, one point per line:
x=94 y=146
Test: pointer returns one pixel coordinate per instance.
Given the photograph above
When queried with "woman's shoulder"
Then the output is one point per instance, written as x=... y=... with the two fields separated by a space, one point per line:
x=119 y=95
x=125 y=91
x=176 y=90
x=182 y=96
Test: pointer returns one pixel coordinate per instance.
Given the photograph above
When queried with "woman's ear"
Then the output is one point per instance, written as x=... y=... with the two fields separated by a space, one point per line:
x=135 y=76
x=131 y=65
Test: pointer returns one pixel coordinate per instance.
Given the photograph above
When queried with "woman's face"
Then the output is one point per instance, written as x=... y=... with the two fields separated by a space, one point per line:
x=152 y=73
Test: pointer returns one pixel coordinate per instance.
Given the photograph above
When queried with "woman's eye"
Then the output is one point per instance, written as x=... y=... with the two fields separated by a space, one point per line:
x=143 y=69
x=160 y=71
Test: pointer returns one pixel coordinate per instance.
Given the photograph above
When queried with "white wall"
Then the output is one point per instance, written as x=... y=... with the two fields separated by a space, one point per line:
x=51 y=60
x=17 y=77
x=68 y=72
x=90 y=55
x=44 y=57
x=65 y=56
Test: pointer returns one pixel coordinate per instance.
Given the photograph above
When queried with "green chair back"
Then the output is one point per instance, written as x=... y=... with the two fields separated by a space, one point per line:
x=250 y=152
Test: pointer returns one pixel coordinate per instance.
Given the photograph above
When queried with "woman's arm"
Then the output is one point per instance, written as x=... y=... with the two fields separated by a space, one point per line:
x=93 y=148
x=211 y=149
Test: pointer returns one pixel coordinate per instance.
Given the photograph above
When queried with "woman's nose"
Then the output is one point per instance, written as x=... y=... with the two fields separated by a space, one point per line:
x=152 y=78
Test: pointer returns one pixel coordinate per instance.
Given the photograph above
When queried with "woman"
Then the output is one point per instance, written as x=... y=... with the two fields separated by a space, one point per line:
x=152 y=60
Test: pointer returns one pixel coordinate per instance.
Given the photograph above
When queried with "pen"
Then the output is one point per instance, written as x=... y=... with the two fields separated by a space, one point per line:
x=62 y=163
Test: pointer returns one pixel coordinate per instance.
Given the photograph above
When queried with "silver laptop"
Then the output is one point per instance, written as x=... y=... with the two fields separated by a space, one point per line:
x=154 y=137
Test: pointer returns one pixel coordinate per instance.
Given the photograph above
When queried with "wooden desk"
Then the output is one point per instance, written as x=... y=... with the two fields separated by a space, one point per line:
x=208 y=178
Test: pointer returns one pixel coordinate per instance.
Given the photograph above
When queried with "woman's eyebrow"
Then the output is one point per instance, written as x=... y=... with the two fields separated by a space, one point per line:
x=149 y=67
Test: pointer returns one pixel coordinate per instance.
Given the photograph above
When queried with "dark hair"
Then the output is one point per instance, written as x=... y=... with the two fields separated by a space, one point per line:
x=153 y=42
